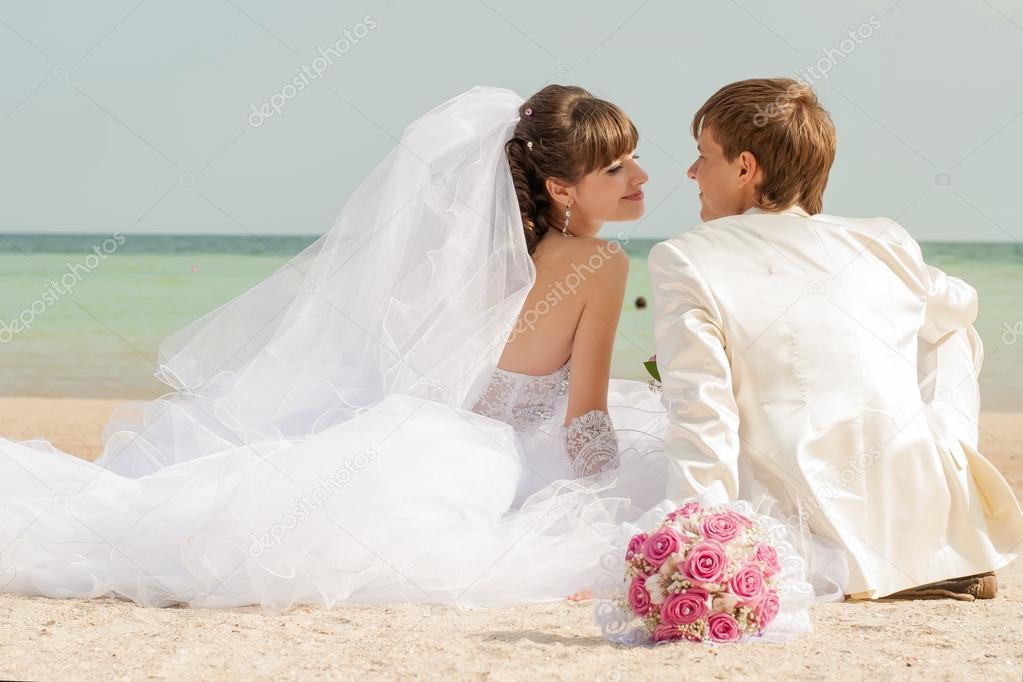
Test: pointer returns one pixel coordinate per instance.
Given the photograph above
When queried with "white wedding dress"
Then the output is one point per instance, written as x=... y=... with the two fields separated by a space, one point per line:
x=341 y=432
x=478 y=517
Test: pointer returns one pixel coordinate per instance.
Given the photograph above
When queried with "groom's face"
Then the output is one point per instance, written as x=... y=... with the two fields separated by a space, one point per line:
x=724 y=189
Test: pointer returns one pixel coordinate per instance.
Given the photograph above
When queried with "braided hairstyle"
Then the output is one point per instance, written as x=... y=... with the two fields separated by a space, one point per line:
x=572 y=133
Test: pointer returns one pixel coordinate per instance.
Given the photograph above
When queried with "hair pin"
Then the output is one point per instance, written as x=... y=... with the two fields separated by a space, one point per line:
x=528 y=111
x=529 y=144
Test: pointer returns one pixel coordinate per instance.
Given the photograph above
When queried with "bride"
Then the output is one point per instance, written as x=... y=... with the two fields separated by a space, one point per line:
x=417 y=407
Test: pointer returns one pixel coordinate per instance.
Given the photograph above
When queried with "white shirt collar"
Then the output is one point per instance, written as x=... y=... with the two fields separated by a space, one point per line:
x=795 y=209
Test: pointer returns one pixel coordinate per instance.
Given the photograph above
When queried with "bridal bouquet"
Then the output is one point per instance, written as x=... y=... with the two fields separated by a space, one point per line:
x=705 y=574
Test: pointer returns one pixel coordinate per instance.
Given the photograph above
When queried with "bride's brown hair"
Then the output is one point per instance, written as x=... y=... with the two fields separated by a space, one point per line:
x=563 y=133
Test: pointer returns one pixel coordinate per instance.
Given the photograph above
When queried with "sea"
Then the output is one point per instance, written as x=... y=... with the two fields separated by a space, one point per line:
x=97 y=336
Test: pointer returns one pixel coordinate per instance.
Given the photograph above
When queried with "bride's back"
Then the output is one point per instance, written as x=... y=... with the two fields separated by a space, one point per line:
x=573 y=166
x=572 y=274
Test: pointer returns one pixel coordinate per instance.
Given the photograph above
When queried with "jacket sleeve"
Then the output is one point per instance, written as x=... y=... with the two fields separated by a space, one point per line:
x=702 y=443
x=951 y=306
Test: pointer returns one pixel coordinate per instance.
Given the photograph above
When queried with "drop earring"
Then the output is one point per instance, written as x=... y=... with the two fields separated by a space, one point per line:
x=568 y=216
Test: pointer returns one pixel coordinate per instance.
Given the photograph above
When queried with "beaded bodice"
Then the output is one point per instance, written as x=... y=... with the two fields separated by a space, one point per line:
x=525 y=400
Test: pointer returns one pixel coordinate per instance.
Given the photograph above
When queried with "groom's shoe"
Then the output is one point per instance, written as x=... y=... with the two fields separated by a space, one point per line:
x=980 y=586
x=986 y=588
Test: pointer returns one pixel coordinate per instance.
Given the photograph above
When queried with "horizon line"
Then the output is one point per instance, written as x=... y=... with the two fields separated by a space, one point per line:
x=312 y=235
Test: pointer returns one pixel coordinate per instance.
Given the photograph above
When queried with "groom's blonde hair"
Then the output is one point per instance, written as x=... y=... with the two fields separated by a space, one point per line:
x=780 y=122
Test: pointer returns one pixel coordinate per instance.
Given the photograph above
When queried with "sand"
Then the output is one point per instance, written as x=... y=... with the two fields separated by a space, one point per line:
x=49 y=639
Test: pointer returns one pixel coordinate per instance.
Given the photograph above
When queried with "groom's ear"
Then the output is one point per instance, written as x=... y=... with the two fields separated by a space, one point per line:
x=749 y=169
x=563 y=194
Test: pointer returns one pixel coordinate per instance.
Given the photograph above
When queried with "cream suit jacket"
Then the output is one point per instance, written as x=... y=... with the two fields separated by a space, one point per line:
x=821 y=357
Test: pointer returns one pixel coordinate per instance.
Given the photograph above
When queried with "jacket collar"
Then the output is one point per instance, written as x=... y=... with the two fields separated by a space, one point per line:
x=794 y=209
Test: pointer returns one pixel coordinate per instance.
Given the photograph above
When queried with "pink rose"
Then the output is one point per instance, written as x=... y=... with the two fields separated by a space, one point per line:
x=635 y=545
x=721 y=527
x=706 y=562
x=665 y=633
x=741 y=519
x=766 y=554
x=748 y=584
x=639 y=598
x=685 y=607
x=768 y=608
x=687 y=509
x=662 y=544
x=723 y=628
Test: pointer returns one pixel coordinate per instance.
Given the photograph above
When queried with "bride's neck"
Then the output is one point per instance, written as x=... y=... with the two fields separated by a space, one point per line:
x=581 y=227
x=585 y=229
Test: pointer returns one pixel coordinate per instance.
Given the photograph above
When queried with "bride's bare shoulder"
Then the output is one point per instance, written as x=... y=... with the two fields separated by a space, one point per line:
x=594 y=259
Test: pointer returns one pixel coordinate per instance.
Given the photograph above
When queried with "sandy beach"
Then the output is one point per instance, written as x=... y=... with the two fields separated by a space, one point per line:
x=46 y=639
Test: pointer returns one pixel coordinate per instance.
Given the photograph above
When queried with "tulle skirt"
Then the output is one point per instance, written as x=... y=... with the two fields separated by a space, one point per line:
x=409 y=501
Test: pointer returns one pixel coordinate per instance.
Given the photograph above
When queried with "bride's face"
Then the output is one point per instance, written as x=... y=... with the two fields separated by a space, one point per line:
x=613 y=193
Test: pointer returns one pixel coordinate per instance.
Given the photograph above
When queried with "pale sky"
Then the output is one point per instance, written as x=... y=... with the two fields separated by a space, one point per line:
x=136 y=115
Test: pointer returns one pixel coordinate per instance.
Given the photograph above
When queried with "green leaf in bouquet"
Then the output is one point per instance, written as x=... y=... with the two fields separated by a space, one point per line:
x=651 y=366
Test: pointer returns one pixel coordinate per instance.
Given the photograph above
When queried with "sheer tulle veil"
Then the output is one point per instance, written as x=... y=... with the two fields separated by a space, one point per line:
x=413 y=290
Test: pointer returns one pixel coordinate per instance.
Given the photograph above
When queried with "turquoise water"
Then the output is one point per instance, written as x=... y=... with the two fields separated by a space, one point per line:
x=95 y=334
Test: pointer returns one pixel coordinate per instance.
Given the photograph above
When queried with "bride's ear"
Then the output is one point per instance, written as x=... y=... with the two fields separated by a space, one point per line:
x=562 y=194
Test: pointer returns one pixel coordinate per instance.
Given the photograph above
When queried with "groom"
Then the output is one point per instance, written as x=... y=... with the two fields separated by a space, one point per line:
x=819 y=358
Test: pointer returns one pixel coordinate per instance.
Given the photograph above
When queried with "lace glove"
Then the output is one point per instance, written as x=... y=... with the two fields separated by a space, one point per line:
x=591 y=443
